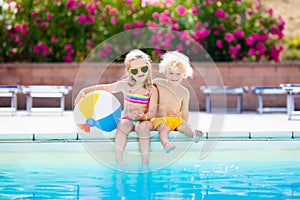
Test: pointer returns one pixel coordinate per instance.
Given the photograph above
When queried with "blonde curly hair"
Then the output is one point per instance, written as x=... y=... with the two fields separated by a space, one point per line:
x=176 y=61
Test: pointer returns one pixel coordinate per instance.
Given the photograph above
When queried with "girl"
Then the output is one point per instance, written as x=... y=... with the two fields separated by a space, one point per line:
x=140 y=103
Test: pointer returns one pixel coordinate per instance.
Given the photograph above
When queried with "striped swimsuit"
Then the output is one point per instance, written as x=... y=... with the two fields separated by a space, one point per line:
x=137 y=99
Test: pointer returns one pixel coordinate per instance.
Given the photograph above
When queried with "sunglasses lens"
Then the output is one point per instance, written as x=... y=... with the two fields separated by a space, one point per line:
x=134 y=71
x=144 y=69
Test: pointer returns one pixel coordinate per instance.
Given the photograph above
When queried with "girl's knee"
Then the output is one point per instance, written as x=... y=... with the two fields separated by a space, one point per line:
x=143 y=129
x=124 y=126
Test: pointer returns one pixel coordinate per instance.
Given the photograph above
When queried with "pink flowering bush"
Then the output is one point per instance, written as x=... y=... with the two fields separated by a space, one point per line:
x=67 y=30
x=229 y=30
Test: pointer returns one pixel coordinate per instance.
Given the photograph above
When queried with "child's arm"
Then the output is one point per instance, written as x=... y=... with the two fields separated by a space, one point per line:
x=112 y=87
x=185 y=106
x=152 y=104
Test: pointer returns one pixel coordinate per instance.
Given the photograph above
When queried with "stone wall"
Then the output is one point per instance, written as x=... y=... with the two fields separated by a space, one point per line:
x=78 y=76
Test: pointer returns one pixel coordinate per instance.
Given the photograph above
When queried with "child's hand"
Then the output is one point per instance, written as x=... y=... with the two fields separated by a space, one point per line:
x=137 y=115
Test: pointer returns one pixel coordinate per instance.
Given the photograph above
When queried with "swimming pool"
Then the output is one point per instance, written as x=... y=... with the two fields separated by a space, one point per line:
x=233 y=170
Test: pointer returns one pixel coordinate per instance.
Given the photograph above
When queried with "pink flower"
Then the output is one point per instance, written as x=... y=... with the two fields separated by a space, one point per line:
x=138 y=24
x=250 y=40
x=260 y=48
x=209 y=2
x=181 y=10
x=81 y=19
x=219 y=44
x=102 y=54
x=41 y=23
x=256 y=36
x=107 y=7
x=91 y=8
x=24 y=28
x=41 y=48
x=155 y=15
x=53 y=39
x=169 y=3
x=184 y=35
x=89 y=43
x=151 y=25
x=113 y=11
x=127 y=26
x=107 y=48
x=17 y=27
x=229 y=37
x=68 y=58
x=179 y=47
x=282 y=23
x=153 y=40
x=195 y=9
x=34 y=13
x=114 y=20
x=274 y=53
x=264 y=37
x=201 y=34
x=164 y=19
x=136 y=32
x=175 y=27
x=90 y=19
x=234 y=49
x=14 y=51
x=128 y=2
x=252 y=52
x=238 y=34
x=80 y=4
x=270 y=11
x=169 y=36
x=68 y=47
x=49 y=16
x=220 y=13
x=199 y=25
x=216 y=33
x=70 y=4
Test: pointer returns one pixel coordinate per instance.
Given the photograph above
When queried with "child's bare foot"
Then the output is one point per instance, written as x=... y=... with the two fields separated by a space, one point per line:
x=197 y=136
x=121 y=161
x=169 y=147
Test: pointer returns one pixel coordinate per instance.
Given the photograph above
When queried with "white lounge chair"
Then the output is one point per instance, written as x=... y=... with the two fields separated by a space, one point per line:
x=292 y=90
x=45 y=91
x=262 y=91
x=211 y=90
x=10 y=91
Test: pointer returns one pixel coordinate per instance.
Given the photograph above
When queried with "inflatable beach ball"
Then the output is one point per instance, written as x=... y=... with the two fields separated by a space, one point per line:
x=99 y=109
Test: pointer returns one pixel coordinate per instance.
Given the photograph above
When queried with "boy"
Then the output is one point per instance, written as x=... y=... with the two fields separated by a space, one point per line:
x=173 y=98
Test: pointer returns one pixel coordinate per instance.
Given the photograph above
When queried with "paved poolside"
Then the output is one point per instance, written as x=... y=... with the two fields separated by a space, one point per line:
x=54 y=123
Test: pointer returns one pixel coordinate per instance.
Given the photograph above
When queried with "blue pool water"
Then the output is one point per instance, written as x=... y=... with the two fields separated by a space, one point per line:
x=204 y=180
x=58 y=171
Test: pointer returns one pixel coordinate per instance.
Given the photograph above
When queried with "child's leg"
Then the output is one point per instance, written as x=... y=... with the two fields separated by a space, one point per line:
x=121 y=139
x=186 y=129
x=164 y=131
x=143 y=129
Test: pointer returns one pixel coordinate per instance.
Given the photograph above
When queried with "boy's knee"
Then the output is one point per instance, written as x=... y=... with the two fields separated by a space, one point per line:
x=163 y=128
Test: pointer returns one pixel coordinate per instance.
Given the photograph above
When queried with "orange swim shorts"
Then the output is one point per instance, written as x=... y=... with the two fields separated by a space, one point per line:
x=171 y=122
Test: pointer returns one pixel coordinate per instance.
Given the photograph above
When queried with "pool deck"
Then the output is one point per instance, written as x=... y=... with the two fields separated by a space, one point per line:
x=54 y=123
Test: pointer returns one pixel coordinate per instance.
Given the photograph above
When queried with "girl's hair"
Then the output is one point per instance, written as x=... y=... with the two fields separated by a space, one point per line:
x=133 y=55
x=176 y=61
